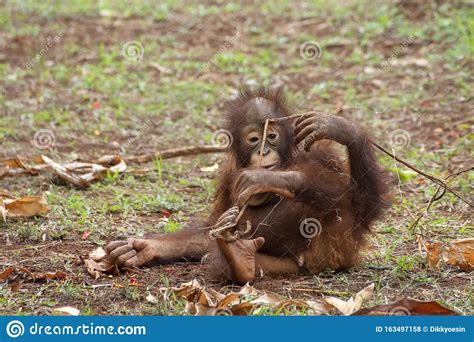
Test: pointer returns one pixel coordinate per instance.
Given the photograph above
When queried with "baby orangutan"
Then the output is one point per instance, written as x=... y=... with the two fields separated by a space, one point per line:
x=285 y=202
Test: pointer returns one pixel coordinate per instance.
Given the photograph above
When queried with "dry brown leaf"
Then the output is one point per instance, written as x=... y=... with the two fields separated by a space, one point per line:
x=21 y=207
x=34 y=276
x=242 y=309
x=201 y=310
x=12 y=162
x=432 y=253
x=353 y=304
x=93 y=268
x=212 y=168
x=64 y=173
x=204 y=301
x=3 y=210
x=66 y=311
x=407 y=307
x=228 y=300
x=15 y=287
x=151 y=299
x=5 y=274
x=98 y=263
x=268 y=299
x=48 y=275
x=98 y=254
x=194 y=292
x=5 y=193
x=26 y=206
x=319 y=308
x=82 y=173
x=249 y=290
x=459 y=253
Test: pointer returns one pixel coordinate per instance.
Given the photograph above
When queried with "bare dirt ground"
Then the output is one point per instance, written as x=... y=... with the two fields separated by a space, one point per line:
x=403 y=72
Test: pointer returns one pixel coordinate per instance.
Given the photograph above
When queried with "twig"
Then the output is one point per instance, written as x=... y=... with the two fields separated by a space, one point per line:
x=294 y=116
x=436 y=180
x=21 y=169
x=436 y=197
x=264 y=140
x=175 y=152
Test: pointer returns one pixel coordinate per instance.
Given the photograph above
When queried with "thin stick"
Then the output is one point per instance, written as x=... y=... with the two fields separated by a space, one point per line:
x=264 y=140
x=21 y=169
x=436 y=180
x=175 y=152
x=294 y=116
x=436 y=197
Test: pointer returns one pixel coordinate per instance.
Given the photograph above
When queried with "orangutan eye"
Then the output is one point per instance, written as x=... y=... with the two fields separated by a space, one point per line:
x=272 y=137
x=252 y=139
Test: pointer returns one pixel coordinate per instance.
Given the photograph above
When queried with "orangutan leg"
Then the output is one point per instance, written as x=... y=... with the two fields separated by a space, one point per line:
x=267 y=264
x=240 y=261
x=239 y=256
